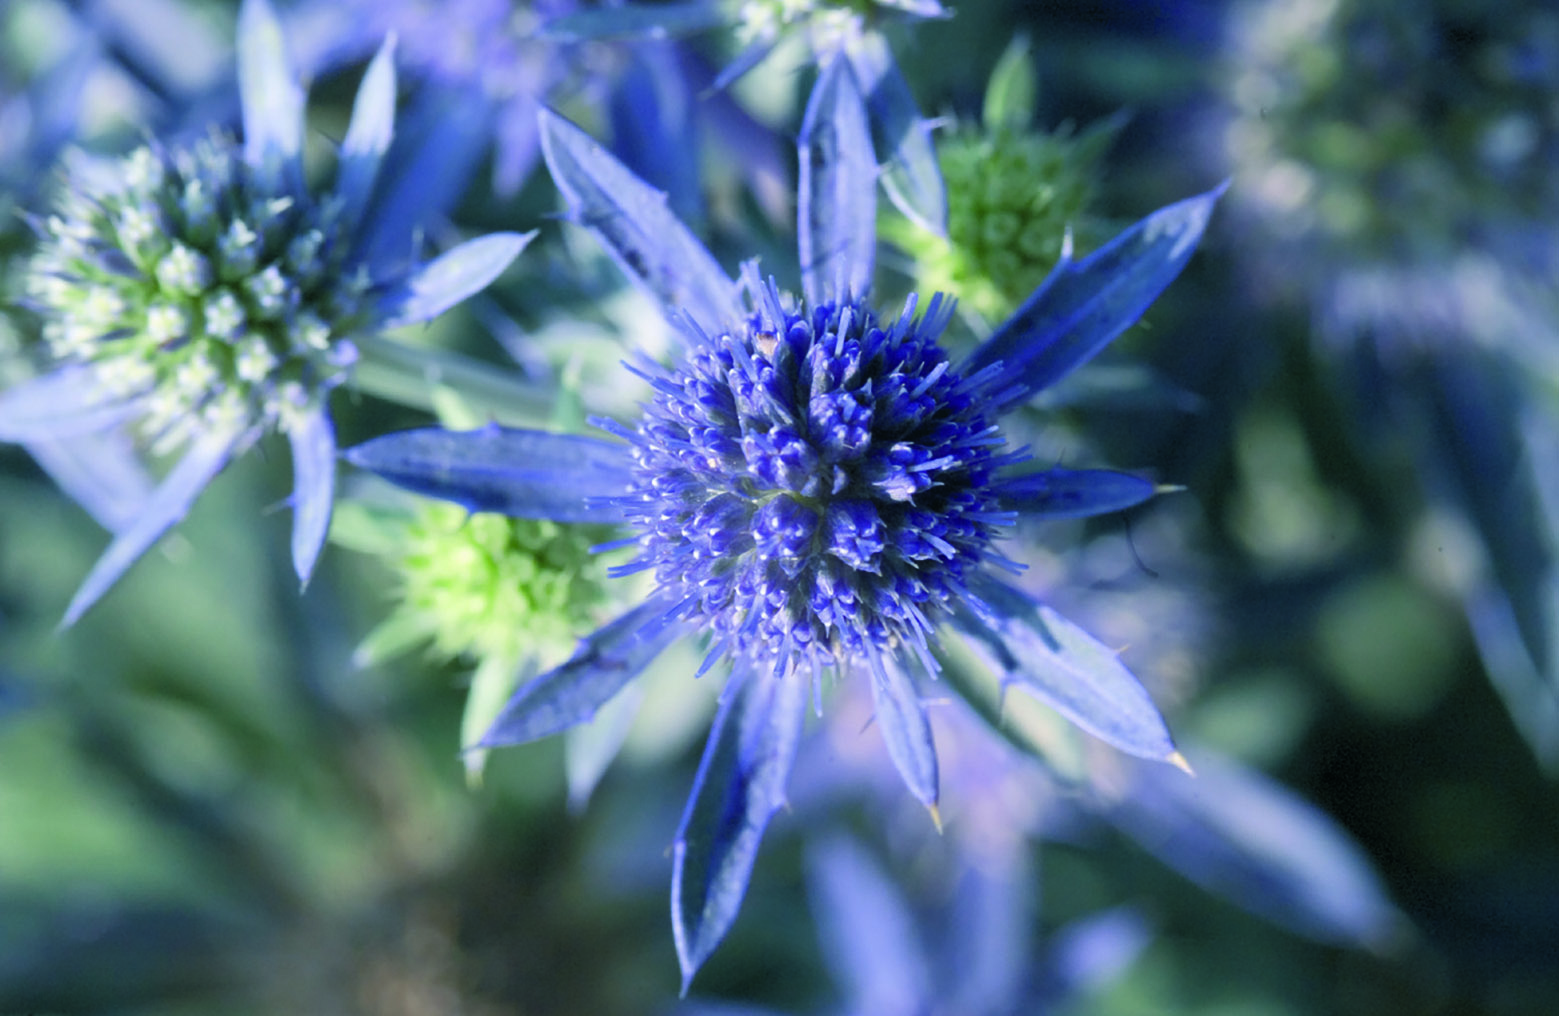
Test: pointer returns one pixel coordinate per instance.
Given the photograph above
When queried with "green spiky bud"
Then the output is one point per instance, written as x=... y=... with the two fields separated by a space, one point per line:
x=487 y=586
x=1013 y=192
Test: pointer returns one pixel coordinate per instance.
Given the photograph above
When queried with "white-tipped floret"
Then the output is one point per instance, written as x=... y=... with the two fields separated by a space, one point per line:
x=303 y=252
x=126 y=375
x=166 y=323
x=255 y=361
x=195 y=377
x=100 y=308
x=183 y=271
x=143 y=170
x=311 y=331
x=228 y=412
x=240 y=248
x=288 y=405
x=196 y=203
x=139 y=225
x=270 y=291
x=224 y=316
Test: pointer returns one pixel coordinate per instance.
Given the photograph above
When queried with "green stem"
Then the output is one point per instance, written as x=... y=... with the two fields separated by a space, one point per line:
x=408 y=375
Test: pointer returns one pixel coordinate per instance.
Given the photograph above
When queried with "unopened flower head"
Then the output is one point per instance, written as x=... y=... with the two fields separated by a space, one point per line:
x=488 y=586
x=194 y=282
x=1014 y=192
x=817 y=485
x=1012 y=197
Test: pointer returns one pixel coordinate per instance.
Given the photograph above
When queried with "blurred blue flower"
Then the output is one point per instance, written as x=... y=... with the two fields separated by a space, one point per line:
x=910 y=173
x=815 y=490
x=205 y=295
x=1401 y=188
x=481 y=71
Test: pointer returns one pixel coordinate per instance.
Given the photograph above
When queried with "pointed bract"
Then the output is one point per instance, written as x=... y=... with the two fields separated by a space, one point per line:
x=99 y=471
x=867 y=930
x=1041 y=652
x=1091 y=952
x=1073 y=493
x=271 y=96
x=640 y=232
x=740 y=784
x=751 y=56
x=589 y=748
x=573 y=692
x=1011 y=93
x=439 y=139
x=369 y=132
x=1244 y=837
x=1084 y=305
x=901 y=716
x=60 y=404
x=169 y=503
x=451 y=277
x=902 y=138
x=313 y=440
x=836 y=201
x=526 y=473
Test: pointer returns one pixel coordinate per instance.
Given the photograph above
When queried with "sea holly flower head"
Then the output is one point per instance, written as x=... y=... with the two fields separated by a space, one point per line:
x=818 y=489
x=507 y=596
x=815 y=485
x=206 y=295
x=1015 y=195
x=480 y=586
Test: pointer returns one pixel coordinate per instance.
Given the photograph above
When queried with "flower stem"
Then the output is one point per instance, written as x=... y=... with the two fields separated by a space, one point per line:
x=409 y=375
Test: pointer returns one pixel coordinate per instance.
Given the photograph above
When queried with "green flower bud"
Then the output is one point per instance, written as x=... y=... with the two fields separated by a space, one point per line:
x=1013 y=192
x=484 y=586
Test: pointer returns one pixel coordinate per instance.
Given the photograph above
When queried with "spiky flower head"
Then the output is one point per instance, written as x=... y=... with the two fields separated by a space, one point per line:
x=1014 y=192
x=207 y=295
x=223 y=299
x=487 y=586
x=816 y=485
x=817 y=491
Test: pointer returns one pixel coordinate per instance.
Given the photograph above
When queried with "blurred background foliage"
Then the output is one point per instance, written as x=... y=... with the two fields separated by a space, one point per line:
x=205 y=806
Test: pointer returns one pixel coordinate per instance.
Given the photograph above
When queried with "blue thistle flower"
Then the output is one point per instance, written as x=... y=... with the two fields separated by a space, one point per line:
x=817 y=490
x=206 y=296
